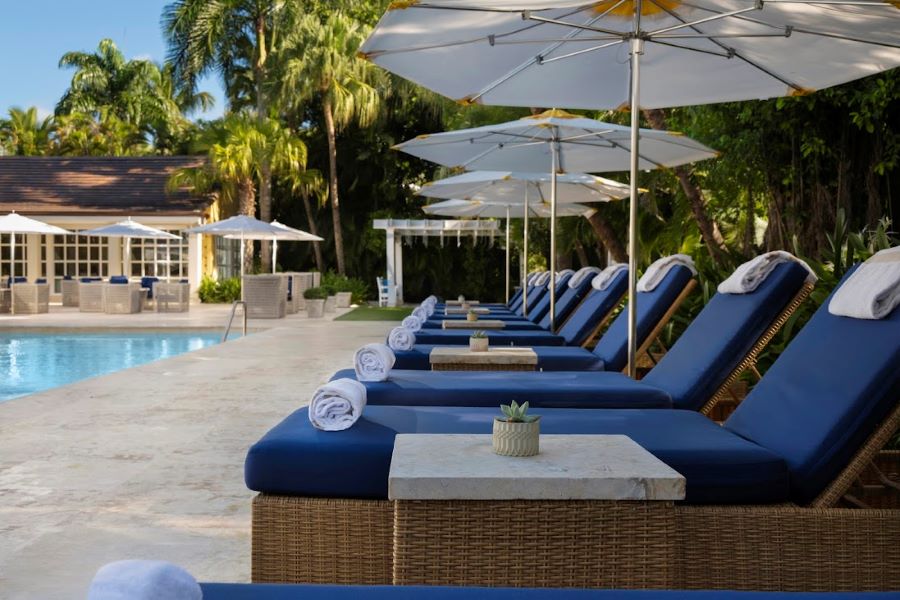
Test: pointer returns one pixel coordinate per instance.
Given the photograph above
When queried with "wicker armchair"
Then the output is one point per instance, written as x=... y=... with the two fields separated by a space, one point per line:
x=265 y=295
x=30 y=298
x=172 y=297
x=91 y=295
x=69 y=288
x=122 y=298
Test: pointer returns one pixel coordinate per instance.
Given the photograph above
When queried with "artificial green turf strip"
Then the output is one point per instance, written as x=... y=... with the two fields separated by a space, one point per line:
x=372 y=313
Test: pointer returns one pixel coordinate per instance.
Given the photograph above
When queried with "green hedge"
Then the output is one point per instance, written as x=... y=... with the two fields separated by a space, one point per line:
x=218 y=292
x=341 y=283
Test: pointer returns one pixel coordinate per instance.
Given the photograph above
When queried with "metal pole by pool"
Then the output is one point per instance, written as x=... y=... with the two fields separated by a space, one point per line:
x=554 y=153
x=507 y=254
x=637 y=48
x=525 y=243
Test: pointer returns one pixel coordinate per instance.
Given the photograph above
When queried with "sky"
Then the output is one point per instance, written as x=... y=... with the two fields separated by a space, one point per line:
x=34 y=34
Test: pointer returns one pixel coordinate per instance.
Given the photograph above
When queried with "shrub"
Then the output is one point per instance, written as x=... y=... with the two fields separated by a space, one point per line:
x=218 y=292
x=315 y=293
x=341 y=283
x=330 y=290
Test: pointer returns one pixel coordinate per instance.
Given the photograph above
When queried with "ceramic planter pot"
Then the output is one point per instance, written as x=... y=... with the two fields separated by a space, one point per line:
x=471 y=317
x=330 y=304
x=343 y=299
x=516 y=439
x=315 y=309
x=478 y=344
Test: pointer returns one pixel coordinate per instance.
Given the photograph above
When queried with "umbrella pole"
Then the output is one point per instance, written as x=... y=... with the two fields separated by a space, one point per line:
x=242 y=265
x=555 y=164
x=274 y=254
x=525 y=238
x=507 y=254
x=12 y=272
x=637 y=48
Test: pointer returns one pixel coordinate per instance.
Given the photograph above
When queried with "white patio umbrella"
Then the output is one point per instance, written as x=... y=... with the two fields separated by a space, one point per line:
x=515 y=188
x=14 y=223
x=285 y=233
x=128 y=230
x=589 y=55
x=240 y=227
x=564 y=143
x=478 y=208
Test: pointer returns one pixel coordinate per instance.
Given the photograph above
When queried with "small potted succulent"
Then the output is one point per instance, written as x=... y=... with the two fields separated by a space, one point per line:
x=461 y=299
x=471 y=316
x=478 y=341
x=315 y=302
x=516 y=433
x=330 y=298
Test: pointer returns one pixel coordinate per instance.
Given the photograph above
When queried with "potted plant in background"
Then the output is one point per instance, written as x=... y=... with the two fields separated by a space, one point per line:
x=461 y=299
x=471 y=316
x=330 y=298
x=478 y=342
x=516 y=433
x=315 y=302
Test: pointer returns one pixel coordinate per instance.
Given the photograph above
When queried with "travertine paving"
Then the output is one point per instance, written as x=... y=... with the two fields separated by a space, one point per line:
x=148 y=462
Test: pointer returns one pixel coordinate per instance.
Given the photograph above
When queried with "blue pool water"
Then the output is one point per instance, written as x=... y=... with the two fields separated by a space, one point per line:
x=32 y=362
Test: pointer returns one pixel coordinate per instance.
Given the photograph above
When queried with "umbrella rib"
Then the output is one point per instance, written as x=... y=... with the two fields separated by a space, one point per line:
x=545 y=61
x=693 y=24
x=838 y=36
x=690 y=49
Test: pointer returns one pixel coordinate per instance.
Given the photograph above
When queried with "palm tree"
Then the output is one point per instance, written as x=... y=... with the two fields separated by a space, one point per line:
x=234 y=37
x=320 y=62
x=234 y=166
x=25 y=134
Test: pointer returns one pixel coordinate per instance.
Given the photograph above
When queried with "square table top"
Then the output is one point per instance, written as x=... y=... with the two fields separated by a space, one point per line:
x=479 y=324
x=458 y=310
x=503 y=355
x=458 y=303
x=569 y=467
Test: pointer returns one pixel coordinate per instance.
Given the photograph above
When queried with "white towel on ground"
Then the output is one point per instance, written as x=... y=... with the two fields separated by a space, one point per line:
x=401 y=338
x=602 y=281
x=873 y=291
x=656 y=272
x=748 y=276
x=143 y=580
x=337 y=405
x=582 y=274
x=412 y=322
x=421 y=313
x=373 y=362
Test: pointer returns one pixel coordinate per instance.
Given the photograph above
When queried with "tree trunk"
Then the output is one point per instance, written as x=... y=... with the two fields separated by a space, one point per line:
x=715 y=243
x=749 y=221
x=247 y=205
x=607 y=236
x=313 y=229
x=333 y=185
x=582 y=254
x=265 y=169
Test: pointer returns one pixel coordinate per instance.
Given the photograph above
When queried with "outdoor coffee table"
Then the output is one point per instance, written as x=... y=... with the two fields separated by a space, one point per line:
x=460 y=358
x=586 y=512
x=479 y=324
x=450 y=310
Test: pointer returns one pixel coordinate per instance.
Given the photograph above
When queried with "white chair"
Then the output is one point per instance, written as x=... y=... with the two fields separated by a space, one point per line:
x=385 y=290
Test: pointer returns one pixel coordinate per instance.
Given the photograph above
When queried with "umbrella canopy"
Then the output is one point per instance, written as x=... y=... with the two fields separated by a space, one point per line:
x=558 y=141
x=568 y=53
x=585 y=146
x=281 y=232
x=16 y=223
x=129 y=229
x=575 y=54
x=477 y=208
x=512 y=187
x=240 y=227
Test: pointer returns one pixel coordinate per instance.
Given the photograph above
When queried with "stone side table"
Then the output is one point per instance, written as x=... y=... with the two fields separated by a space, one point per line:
x=589 y=511
x=458 y=303
x=456 y=310
x=460 y=358
x=479 y=324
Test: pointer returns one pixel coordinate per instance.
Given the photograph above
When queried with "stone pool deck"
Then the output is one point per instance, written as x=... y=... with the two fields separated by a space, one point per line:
x=148 y=462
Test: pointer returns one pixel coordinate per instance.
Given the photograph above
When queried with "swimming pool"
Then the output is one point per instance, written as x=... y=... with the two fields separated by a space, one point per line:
x=33 y=362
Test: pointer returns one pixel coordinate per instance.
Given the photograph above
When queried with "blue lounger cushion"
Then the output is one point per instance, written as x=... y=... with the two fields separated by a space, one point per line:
x=542 y=307
x=492 y=388
x=721 y=336
x=824 y=396
x=274 y=591
x=550 y=358
x=497 y=337
x=296 y=459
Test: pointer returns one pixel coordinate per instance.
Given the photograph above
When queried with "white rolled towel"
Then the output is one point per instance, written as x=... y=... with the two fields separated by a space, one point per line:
x=143 y=580
x=432 y=299
x=872 y=291
x=373 y=362
x=429 y=309
x=656 y=272
x=542 y=279
x=582 y=274
x=337 y=405
x=412 y=322
x=560 y=275
x=401 y=338
x=748 y=276
x=421 y=313
x=606 y=276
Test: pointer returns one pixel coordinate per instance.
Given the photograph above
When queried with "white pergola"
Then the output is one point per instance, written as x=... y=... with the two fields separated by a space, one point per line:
x=396 y=229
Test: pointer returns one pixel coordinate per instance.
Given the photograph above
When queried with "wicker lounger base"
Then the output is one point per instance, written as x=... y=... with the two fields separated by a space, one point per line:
x=315 y=540
x=321 y=540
